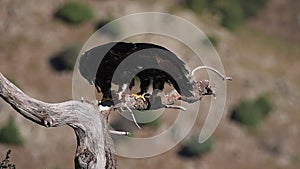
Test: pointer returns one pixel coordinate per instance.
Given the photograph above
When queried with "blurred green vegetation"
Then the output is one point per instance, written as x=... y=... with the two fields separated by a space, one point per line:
x=212 y=39
x=112 y=29
x=251 y=8
x=66 y=58
x=10 y=133
x=231 y=12
x=74 y=13
x=102 y=22
x=193 y=148
x=252 y=112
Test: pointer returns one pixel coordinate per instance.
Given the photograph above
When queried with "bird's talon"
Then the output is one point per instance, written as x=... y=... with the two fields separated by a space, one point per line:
x=136 y=96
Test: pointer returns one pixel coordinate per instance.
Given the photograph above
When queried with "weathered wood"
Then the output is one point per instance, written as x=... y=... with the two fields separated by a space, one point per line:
x=95 y=148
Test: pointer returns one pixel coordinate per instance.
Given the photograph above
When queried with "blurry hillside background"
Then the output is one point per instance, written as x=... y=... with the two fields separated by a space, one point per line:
x=258 y=42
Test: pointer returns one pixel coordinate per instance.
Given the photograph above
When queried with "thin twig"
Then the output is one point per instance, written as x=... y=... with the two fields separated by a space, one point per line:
x=212 y=69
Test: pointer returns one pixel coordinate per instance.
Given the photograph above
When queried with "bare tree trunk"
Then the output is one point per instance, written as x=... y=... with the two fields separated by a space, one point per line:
x=95 y=148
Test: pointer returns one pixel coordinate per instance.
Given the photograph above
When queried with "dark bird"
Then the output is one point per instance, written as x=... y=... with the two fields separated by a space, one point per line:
x=120 y=63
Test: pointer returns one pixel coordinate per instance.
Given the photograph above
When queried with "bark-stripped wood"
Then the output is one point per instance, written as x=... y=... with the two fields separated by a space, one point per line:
x=95 y=148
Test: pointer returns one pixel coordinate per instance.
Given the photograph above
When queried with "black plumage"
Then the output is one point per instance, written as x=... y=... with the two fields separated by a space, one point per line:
x=120 y=62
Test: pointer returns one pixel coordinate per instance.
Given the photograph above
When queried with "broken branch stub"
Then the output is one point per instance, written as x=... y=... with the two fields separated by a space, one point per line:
x=95 y=149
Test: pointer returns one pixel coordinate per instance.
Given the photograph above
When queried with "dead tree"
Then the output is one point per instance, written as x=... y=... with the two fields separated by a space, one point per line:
x=95 y=148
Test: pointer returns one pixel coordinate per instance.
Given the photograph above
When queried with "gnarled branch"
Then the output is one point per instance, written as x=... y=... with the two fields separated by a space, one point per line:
x=95 y=148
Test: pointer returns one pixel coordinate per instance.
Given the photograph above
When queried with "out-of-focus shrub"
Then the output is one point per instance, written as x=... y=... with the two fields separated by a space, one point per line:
x=197 y=6
x=113 y=29
x=251 y=8
x=213 y=40
x=66 y=58
x=74 y=13
x=232 y=12
x=10 y=133
x=193 y=148
x=252 y=112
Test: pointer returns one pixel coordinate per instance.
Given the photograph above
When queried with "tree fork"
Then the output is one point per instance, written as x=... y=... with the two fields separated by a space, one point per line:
x=95 y=148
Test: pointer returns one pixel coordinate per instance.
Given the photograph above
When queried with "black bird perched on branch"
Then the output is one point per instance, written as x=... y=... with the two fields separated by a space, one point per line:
x=120 y=62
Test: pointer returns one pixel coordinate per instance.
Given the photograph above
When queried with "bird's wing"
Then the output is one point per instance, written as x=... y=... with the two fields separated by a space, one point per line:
x=168 y=62
x=100 y=63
